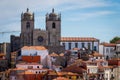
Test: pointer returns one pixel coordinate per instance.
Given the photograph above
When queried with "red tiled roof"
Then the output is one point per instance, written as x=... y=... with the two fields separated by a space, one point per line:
x=53 y=54
x=76 y=39
x=108 y=44
x=74 y=69
x=96 y=54
x=30 y=59
x=2 y=54
x=34 y=47
x=61 y=54
x=114 y=62
x=75 y=49
x=118 y=42
x=61 y=78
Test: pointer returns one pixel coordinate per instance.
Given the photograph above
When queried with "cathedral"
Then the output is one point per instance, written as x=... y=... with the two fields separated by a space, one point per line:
x=30 y=36
x=50 y=37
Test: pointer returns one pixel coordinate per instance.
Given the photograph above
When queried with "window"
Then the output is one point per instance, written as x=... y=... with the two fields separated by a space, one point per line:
x=69 y=77
x=96 y=57
x=89 y=46
x=95 y=48
x=111 y=50
x=83 y=45
x=107 y=50
x=76 y=45
x=30 y=67
x=63 y=44
x=60 y=67
x=88 y=70
x=112 y=69
x=53 y=25
x=37 y=66
x=69 y=46
x=28 y=25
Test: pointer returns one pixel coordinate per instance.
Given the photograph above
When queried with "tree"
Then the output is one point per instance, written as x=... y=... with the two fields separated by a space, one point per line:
x=115 y=39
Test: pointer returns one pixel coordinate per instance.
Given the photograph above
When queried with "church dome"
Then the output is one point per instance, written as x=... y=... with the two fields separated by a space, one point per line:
x=52 y=14
x=27 y=13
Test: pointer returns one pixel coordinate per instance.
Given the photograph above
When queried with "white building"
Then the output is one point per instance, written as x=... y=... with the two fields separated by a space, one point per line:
x=23 y=69
x=98 y=65
x=53 y=61
x=80 y=42
x=118 y=49
x=29 y=66
x=36 y=50
x=36 y=68
x=107 y=49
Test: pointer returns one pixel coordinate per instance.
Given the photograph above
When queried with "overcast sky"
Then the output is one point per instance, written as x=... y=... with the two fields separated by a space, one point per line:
x=80 y=18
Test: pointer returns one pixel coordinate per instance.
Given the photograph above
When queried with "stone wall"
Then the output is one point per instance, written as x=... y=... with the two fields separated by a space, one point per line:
x=56 y=49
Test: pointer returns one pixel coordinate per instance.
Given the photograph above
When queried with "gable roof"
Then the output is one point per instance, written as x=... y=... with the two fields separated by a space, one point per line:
x=96 y=54
x=78 y=39
x=53 y=54
x=34 y=48
x=118 y=42
x=108 y=44
x=74 y=69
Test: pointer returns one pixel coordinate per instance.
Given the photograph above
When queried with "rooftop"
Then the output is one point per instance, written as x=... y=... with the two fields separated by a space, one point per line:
x=53 y=54
x=108 y=44
x=118 y=42
x=23 y=63
x=76 y=39
x=34 y=48
x=74 y=69
x=60 y=78
x=96 y=54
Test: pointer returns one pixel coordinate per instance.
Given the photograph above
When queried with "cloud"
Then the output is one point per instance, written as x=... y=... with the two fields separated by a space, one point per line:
x=11 y=10
x=88 y=15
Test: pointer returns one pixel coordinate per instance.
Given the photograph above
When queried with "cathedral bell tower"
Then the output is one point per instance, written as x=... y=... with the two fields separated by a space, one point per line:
x=27 y=27
x=53 y=26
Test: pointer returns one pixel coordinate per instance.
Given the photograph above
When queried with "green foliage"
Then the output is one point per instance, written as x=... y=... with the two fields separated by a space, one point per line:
x=115 y=39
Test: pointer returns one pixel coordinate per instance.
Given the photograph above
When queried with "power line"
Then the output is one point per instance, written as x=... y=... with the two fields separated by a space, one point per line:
x=8 y=32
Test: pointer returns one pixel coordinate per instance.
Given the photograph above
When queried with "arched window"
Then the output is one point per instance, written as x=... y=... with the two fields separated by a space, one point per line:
x=53 y=25
x=28 y=25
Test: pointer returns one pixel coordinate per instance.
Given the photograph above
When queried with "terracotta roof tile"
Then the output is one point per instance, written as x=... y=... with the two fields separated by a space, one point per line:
x=53 y=54
x=108 y=44
x=61 y=54
x=75 y=49
x=61 y=78
x=2 y=54
x=76 y=39
x=28 y=72
x=34 y=47
x=118 y=42
x=74 y=69
x=96 y=54
x=108 y=66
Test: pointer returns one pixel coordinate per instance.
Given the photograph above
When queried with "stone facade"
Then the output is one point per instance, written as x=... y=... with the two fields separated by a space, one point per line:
x=30 y=36
x=53 y=26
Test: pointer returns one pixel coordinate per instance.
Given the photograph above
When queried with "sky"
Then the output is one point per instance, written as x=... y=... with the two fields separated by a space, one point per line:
x=79 y=18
